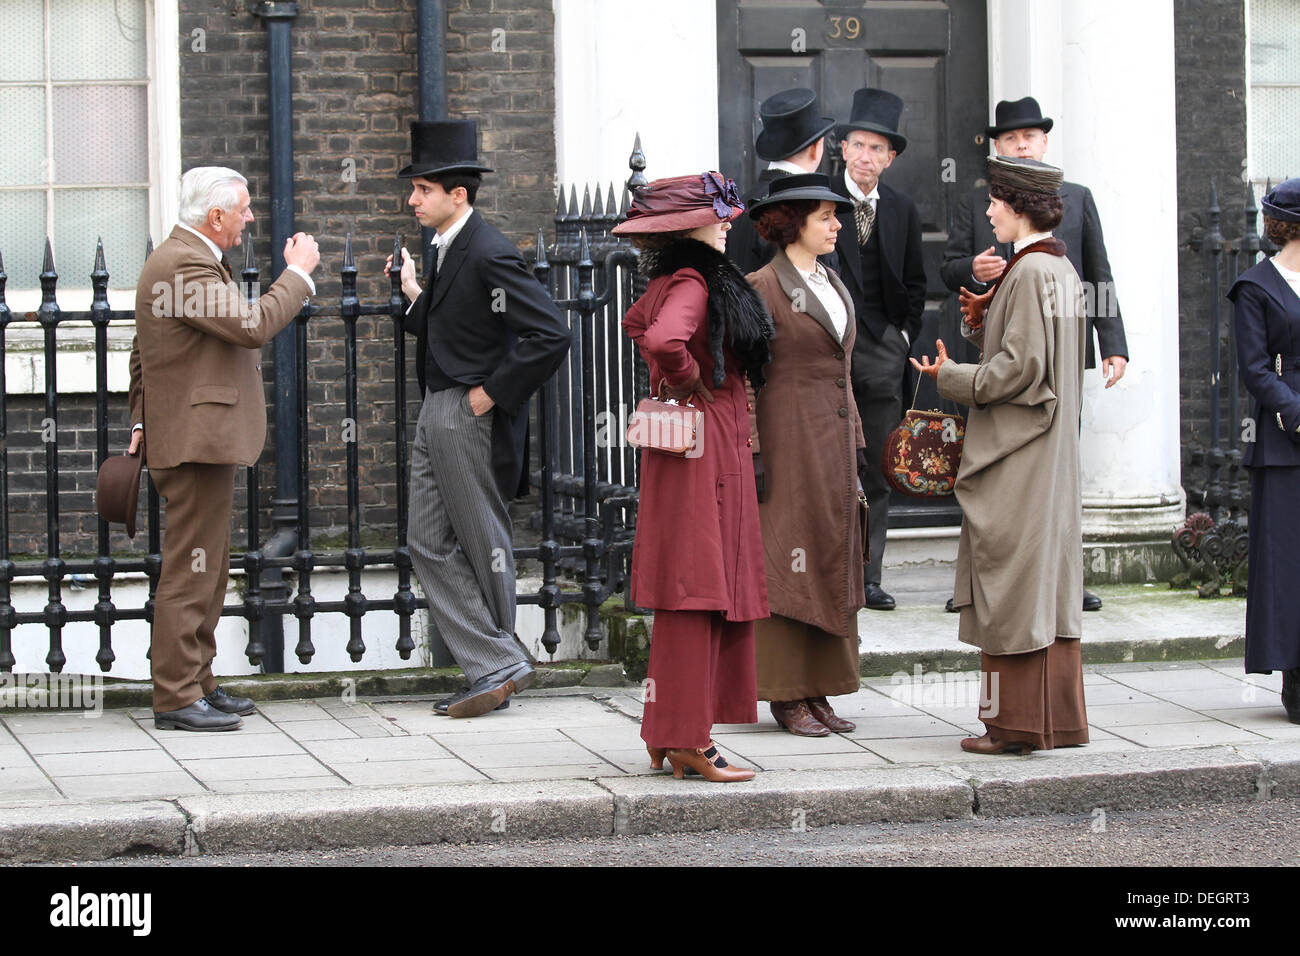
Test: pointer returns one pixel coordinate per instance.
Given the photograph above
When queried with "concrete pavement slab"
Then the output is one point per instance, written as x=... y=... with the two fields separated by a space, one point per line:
x=121 y=762
x=184 y=745
x=73 y=742
x=423 y=771
x=320 y=730
x=1111 y=716
x=248 y=768
x=926 y=750
x=380 y=816
x=1197 y=733
x=577 y=771
x=269 y=784
x=378 y=748
x=156 y=785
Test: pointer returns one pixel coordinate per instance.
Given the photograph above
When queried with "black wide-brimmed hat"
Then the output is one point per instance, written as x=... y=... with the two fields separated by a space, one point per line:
x=876 y=111
x=1020 y=114
x=813 y=186
x=792 y=122
x=443 y=146
x=1283 y=203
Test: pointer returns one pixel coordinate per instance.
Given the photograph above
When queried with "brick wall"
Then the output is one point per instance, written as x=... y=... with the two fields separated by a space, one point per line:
x=354 y=96
x=1210 y=84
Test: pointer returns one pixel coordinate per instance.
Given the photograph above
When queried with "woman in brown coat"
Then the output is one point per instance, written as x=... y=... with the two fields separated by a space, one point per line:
x=810 y=448
x=703 y=333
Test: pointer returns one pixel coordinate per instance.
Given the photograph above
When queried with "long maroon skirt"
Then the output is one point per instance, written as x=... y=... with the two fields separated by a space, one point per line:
x=1038 y=697
x=701 y=673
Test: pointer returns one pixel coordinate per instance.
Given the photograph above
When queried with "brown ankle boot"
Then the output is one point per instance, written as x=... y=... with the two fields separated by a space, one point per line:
x=795 y=717
x=821 y=711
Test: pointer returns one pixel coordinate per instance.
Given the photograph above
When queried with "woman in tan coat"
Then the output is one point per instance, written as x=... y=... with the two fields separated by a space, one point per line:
x=808 y=451
x=1019 y=576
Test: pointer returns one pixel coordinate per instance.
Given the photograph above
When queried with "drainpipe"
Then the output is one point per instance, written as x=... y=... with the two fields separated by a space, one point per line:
x=279 y=16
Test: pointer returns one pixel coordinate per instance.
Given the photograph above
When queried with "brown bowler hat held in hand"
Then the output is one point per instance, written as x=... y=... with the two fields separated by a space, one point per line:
x=117 y=489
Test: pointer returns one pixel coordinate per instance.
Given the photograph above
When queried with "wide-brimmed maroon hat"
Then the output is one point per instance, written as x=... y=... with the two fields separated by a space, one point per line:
x=117 y=489
x=682 y=203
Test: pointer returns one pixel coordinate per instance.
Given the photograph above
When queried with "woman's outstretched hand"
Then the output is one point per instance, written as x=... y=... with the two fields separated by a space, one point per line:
x=924 y=366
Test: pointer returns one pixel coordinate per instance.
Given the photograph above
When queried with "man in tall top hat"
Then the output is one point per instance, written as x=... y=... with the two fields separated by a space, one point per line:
x=974 y=259
x=880 y=259
x=793 y=140
x=487 y=337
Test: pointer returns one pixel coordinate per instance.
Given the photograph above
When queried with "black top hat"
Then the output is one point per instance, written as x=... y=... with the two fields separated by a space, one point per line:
x=876 y=111
x=1283 y=202
x=1022 y=114
x=443 y=146
x=792 y=122
x=813 y=186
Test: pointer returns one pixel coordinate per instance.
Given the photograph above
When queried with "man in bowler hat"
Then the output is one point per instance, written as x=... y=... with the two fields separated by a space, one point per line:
x=197 y=406
x=974 y=259
x=793 y=140
x=487 y=337
x=880 y=258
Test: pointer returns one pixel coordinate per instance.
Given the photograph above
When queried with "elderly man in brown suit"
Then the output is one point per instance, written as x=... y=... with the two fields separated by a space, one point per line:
x=198 y=407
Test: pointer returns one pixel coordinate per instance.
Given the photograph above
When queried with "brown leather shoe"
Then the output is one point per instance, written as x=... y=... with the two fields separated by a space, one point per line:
x=821 y=710
x=709 y=764
x=795 y=717
x=988 y=744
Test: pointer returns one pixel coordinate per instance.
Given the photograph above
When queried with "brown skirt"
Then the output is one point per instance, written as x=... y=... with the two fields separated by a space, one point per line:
x=797 y=660
x=1036 y=698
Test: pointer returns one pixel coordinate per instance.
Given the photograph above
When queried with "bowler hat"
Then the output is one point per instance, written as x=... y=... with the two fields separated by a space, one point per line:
x=1283 y=202
x=681 y=203
x=814 y=186
x=443 y=146
x=1021 y=114
x=876 y=111
x=117 y=489
x=792 y=122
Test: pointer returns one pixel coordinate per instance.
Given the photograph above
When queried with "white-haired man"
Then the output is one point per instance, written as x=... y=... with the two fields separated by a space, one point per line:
x=197 y=405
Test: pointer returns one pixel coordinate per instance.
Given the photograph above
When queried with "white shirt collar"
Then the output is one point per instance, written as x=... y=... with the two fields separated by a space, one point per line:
x=1030 y=239
x=856 y=191
x=786 y=167
x=216 y=253
x=444 y=240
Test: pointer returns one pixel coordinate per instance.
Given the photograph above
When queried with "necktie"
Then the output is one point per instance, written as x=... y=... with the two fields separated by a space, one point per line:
x=864 y=214
x=433 y=264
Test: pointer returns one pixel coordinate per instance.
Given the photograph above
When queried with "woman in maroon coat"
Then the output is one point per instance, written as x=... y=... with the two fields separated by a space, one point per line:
x=698 y=556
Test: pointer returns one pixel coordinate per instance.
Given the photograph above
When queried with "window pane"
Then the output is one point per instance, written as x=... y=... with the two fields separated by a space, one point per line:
x=119 y=216
x=101 y=134
x=1274 y=39
x=24 y=33
x=98 y=40
x=22 y=237
x=1276 y=142
x=22 y=116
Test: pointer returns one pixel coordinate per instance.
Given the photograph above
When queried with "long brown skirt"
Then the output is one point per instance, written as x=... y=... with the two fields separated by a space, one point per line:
x=1036 y=698
x=797 y=660
x=701 y=673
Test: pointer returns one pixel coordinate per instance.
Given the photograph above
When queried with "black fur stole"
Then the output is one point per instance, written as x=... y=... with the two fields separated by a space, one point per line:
x=736 y=311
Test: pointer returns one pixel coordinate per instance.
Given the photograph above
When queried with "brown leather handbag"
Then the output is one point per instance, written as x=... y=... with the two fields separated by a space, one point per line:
x=666 y=426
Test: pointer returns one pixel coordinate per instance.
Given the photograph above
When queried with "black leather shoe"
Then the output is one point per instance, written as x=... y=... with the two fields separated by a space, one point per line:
x=1291 y=694
x=199 y=715
x=877 y=599
x=949 y=607
x=1090 y=601
x=230 y=705
x=490 y=692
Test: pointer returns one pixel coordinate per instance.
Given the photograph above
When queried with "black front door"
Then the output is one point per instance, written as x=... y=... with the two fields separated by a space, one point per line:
x=932 y=54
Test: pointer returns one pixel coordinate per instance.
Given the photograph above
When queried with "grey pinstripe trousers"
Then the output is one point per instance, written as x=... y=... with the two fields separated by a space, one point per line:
x=459 y=534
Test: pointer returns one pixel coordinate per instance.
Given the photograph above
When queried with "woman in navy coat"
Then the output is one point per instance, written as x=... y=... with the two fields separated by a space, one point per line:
x=1266 y=299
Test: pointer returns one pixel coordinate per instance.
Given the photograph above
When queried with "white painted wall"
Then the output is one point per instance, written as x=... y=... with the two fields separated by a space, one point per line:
x=624 y=67
x=1104 y=72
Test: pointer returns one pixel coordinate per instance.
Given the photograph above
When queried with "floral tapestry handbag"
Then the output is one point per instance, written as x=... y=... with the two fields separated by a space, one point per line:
x=922 y=454
x=666 y=426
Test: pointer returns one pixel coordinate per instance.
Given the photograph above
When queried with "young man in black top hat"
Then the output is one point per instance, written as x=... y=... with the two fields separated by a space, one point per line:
x=974 y=259
x=793 y=140
x=488 y=336
x=880 y=259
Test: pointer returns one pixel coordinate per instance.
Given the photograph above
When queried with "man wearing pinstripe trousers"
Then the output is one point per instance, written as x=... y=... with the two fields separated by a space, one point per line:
x=487 y=337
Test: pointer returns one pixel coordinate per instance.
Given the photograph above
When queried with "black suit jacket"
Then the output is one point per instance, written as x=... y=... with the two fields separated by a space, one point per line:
x=746 y=248
x=1080 y=230
x=490 y=323
x=898 y=228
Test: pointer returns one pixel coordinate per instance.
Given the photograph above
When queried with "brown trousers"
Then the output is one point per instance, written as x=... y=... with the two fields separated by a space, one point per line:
x=192 y=583
x=1038 y=696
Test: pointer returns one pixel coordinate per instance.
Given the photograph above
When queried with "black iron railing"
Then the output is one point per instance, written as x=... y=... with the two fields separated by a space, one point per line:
x=586 y=476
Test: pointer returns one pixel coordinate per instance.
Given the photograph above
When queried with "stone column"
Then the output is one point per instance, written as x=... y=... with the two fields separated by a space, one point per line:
x=1115 y=134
